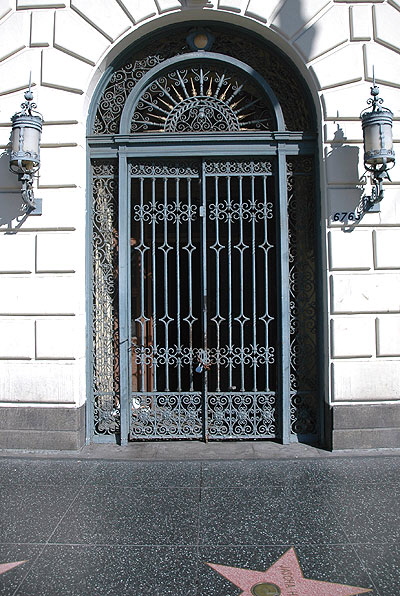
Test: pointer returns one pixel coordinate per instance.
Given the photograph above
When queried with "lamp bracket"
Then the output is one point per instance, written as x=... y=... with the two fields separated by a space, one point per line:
x=37 y=208
x=377 y=176
x=30 y=205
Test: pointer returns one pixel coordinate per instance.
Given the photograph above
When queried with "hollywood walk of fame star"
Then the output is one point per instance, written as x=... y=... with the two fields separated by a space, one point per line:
x=283 y=578
x=7 y=566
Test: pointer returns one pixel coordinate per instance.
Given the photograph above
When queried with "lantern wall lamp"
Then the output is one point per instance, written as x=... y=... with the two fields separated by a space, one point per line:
x=379 y=156
x=25 y=150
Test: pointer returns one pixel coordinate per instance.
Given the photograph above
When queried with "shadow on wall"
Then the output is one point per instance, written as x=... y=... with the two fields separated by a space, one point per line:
x=346 y=203
x=342 y=161
x=12 y=214
x=291 y=19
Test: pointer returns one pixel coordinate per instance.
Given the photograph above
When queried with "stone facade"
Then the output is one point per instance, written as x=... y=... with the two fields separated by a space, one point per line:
x=67 y=46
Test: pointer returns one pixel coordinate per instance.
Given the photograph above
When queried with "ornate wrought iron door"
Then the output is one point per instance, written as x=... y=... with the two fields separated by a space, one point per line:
x=203 y=279
x=204 y=274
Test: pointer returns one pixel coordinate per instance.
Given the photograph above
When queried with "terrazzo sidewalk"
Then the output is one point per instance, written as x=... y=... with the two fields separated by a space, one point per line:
x=305 y=523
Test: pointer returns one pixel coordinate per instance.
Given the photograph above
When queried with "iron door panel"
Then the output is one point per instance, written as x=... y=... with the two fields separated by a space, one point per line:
x=203 y=300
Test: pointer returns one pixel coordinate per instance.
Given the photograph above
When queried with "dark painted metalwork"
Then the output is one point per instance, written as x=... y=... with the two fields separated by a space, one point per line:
x=283 y=383
x=203 y=299
x=105 y=325
x=188 y=94
x=204 y=274
x=201 y=98
x=303 y=303
x=181 y=209
x=265 y=60
x=124 y=282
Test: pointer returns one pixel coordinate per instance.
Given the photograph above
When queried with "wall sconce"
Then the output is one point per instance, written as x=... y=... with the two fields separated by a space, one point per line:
x=379 y=156
x=25 y=151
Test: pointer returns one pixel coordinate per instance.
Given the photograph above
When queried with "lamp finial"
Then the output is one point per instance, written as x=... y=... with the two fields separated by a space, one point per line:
x=28 y=94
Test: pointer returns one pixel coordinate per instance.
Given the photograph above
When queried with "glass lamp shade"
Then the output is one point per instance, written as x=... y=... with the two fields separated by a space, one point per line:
x=378 y=140
x=25 y=143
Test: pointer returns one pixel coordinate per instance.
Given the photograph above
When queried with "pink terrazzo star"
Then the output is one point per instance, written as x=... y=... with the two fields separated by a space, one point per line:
x=7 y=566
x=283 y=578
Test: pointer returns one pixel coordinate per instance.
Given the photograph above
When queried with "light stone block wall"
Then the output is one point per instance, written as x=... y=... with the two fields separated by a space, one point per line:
x=67 y=46
x=388 y=335
x=363 y=381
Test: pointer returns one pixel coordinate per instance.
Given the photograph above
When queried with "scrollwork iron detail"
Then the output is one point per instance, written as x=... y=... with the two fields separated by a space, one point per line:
x=116 y=93
x=228 y=415
x=240 y=416
x=275 y=69
x=167 y=169
x=166 y=416
x=252 y=356
x=201 y=99
x=246 y=211
x=302 y=285
x=105 y=346
x=155 y=212
x=243 y=167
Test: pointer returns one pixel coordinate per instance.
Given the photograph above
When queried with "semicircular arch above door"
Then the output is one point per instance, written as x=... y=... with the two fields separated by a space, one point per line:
x=234 y=43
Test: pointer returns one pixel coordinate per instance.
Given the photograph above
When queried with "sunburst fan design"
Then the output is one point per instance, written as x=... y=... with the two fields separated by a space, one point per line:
x=201 y=99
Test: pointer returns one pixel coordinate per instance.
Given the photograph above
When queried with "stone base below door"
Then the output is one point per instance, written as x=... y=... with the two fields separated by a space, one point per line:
x=42 y=428
x=365 y=426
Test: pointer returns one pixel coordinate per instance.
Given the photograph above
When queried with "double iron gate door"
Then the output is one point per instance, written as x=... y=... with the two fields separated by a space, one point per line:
x=204 y=311
x=204 y=299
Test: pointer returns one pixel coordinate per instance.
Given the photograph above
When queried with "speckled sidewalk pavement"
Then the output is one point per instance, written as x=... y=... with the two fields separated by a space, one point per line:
x=188 y=519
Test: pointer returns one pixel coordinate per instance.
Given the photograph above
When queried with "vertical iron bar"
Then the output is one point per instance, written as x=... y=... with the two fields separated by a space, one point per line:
x=204 y=290
x=166 y=248
x=284 y=297
x=154 y=282
x=178 y=285
x=241 y=251
x=266 y=315
x=142 y=319
x=190 y=277
x=230 y=339
x=124 y=296
x=254 y=280
x=217 y=288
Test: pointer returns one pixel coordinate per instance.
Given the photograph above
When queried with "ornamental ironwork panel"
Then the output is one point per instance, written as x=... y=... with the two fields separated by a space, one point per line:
x=198 y=225
x=303 y=300
x=203 y=294
x=167 y=416
x=201 y=98
x=267 y=61
x=241 y=415
x=105 y=343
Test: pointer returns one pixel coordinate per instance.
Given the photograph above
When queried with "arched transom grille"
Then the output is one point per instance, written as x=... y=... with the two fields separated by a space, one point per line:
x=202 y=98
